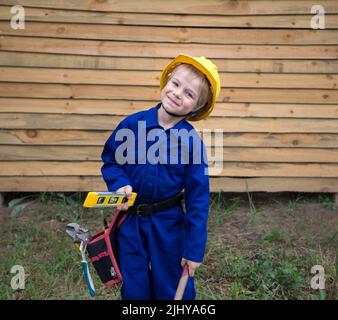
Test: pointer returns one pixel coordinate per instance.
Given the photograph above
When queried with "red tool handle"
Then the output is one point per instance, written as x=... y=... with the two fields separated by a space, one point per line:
x=183 y=283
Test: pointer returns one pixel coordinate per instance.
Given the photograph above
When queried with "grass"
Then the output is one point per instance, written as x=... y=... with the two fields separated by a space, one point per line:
x=258 y=248
x=51 y=262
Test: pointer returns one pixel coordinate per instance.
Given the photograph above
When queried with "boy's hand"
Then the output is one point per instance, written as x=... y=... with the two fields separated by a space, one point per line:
x=127 y=190
x=191 y=264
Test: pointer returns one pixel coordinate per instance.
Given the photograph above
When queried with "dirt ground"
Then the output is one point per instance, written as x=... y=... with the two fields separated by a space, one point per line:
x=303 y=221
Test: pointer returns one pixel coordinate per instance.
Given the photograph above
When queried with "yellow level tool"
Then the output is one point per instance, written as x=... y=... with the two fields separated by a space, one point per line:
x=107 y=199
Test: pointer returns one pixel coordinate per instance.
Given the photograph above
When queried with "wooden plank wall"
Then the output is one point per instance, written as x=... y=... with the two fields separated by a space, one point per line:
x=79 y=67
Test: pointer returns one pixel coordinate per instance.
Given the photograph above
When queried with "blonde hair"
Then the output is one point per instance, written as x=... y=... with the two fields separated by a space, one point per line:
x=205 y=89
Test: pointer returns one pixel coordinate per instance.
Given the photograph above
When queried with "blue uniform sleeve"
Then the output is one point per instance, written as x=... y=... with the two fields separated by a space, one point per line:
x=112 y=172
x=197 y=208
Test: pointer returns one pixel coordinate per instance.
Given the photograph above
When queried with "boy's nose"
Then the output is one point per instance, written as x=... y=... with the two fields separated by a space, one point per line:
x=178 y=93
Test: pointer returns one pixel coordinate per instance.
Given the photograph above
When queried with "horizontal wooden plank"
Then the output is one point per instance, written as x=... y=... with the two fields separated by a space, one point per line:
x=73 y=61
x=84 y=183
x=306 y=140
x=57 y=121
x=90 y=153
x=228 y=169
x=50 y=168
x=125 y=108
x=171 y=34
x=275 y=110
x=51 y=153
x=275 y=184
x=278 y=95
x=260 y=169
x=203 y=7
x=151 y=78
x=56 y=137
x=116 y=77
x=71 y=106
x=252 y=95
x=274 y=154
x=154 y=19
x=259 y=80
x=48 y=183
x=97 y=138
x=102 y=122
x=26 y=59
x=269 y=125
x=165 y=50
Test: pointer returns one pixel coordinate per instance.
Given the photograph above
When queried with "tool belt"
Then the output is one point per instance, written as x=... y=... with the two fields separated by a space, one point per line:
x=148 y=209
x=103 y=253
x=102 y=247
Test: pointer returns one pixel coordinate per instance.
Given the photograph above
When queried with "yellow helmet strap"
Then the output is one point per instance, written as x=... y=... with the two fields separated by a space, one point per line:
x=196 y=112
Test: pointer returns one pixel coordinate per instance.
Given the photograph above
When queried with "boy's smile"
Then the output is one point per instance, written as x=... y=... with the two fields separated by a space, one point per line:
x=181 y=93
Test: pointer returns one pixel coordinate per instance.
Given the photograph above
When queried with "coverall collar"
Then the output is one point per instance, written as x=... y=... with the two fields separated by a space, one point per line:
x=152 y=122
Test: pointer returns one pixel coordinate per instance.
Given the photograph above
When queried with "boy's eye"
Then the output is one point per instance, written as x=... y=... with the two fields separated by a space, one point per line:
x=190 y=95
x=175 y=83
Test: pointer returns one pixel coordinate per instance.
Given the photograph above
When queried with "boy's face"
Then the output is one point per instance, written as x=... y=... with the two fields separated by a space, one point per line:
x=181 y=93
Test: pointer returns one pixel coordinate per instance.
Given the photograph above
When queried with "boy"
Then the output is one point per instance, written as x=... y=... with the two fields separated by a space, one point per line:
x=157 y=239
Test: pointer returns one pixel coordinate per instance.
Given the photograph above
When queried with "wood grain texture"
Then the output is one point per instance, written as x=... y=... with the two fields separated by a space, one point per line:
x=80 y=66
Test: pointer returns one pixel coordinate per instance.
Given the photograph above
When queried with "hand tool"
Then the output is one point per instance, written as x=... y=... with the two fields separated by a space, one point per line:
x=84 y=263
x=107 y=199
x=183 y=283
x=77 y=233
x=82 y=236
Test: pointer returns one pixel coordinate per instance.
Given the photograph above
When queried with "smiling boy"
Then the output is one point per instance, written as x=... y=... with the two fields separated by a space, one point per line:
x=157 y=238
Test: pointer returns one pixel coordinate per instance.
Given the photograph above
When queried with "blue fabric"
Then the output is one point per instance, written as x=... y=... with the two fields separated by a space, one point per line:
x=151 y=248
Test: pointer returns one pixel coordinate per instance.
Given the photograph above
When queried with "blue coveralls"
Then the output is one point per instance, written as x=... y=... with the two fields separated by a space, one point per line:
x=150 y=248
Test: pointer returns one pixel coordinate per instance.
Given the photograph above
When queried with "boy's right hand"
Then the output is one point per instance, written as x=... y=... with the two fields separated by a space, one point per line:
x=127 y=190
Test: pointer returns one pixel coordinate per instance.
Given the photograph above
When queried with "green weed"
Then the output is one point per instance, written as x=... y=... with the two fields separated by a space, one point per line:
x=255 y=216
x=222 y=209
x=326 y=202
x=294 y=204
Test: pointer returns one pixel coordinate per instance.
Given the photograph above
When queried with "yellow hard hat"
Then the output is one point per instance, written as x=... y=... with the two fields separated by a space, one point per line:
x=207 y=68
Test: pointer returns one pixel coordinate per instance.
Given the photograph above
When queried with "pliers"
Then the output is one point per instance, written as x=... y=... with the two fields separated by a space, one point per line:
x=77 y=233
x=82 y=236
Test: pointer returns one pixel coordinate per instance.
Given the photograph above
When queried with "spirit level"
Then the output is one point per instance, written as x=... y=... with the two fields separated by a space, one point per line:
x=107 y=199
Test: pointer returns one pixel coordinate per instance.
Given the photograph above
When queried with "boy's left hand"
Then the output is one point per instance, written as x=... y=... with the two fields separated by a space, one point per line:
x=191 y=264
x=127 y=190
